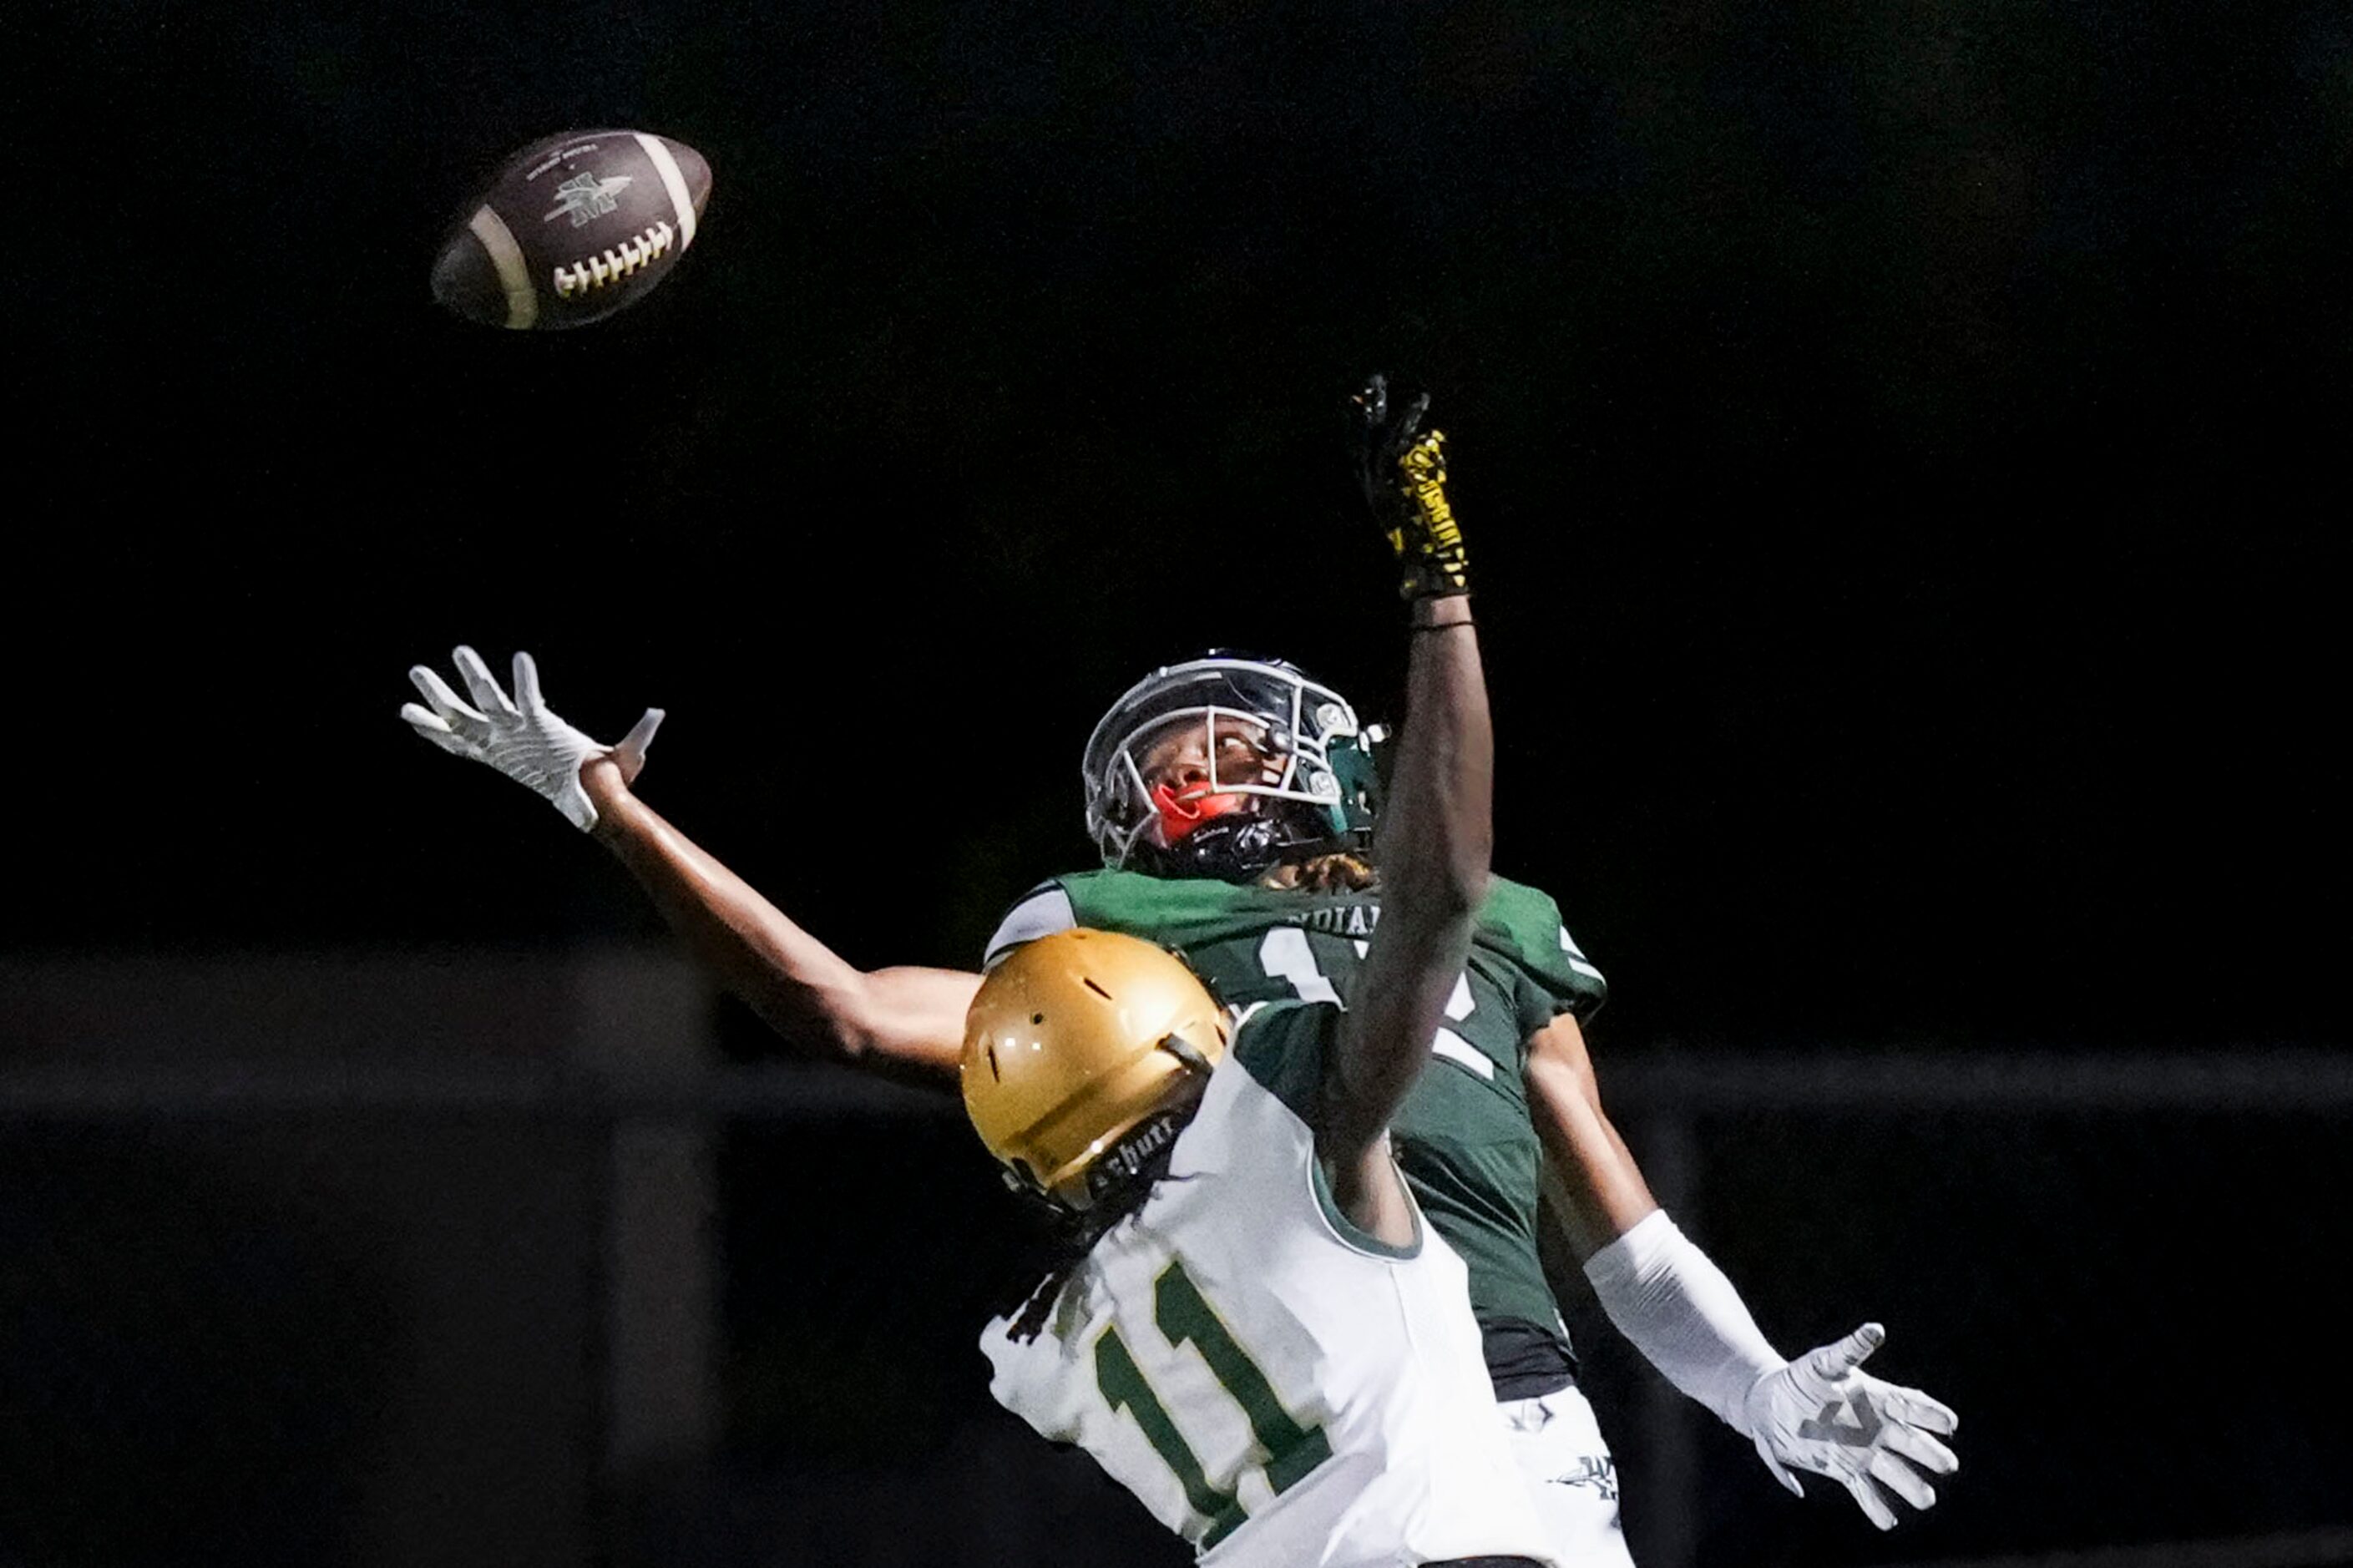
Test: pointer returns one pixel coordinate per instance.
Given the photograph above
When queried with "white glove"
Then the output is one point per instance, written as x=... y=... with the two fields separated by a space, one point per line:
x=1820 y=1414
x=519 y=738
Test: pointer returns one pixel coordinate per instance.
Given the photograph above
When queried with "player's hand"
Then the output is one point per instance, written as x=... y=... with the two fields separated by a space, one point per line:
x=1823 y=1413
x=1402 y=467
x=520 y=737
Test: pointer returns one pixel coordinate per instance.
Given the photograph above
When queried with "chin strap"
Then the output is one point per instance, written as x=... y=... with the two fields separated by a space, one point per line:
x=1141 y=1160
x=1233 y=847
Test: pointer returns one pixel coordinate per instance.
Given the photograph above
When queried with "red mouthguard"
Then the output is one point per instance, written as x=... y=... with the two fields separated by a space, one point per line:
x=1181 y=810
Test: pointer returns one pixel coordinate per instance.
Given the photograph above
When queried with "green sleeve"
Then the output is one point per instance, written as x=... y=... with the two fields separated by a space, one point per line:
x=1555 y=975
x=1283 y=1046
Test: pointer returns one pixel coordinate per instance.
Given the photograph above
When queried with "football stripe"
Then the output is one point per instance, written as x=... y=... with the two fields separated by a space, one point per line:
x=674 y=180
x=506 y=256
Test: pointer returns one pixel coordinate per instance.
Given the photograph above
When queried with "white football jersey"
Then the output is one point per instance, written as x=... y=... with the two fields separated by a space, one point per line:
x=1276 y=1386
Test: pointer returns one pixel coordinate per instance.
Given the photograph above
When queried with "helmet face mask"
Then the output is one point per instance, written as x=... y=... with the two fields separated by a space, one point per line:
x=1312 y=787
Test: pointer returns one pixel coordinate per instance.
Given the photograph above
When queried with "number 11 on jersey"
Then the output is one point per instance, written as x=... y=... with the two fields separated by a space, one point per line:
x=1184 y=1315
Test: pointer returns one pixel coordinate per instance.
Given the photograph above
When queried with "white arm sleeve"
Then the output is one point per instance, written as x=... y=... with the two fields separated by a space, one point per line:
x=1684 y=1315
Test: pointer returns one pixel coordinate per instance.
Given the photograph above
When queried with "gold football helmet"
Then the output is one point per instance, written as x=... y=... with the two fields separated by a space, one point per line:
x=1082 y=1054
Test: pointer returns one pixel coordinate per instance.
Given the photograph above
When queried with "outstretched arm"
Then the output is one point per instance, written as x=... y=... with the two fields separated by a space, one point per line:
x=904 y=1021
x=907 y=1022
x=1435 y=834
x=1820 y=1412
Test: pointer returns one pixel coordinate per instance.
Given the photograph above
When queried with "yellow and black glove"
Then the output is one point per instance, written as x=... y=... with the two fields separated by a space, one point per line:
x=1403 y=470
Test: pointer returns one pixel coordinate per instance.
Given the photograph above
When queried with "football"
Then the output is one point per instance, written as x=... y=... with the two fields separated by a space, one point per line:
x=572 y=229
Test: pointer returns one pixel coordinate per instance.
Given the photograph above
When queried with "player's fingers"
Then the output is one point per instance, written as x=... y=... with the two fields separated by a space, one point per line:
x=631 y=752
x=430 y=727
x=1866 y=1497
x=1901 y=1479
x=1409 y=426
x=1921 y=1450
x=1780 y=1471
x=1834 y=1362
x=526 y=683
x=480 y=685
x=451 y=708
x=574 y=803
x=1915 y=1408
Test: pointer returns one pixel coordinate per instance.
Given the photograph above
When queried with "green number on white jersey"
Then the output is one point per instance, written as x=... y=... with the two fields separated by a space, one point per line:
x=1185 y=1316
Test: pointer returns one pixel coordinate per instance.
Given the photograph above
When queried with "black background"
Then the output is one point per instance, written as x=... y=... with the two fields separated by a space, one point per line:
x=1902 y=455
x=1903 y=452
x=1901 y=449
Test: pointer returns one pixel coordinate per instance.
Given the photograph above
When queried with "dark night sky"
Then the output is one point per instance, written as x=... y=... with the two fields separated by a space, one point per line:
x=1899 y=447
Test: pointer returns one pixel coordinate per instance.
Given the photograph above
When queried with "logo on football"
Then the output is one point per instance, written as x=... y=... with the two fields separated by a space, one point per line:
x=574 y=228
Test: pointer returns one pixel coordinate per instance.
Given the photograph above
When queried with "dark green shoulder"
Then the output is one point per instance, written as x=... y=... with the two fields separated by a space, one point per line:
x=1525 y=918
x=1129 y=900
x=1283 y=1046
x=1523 y=923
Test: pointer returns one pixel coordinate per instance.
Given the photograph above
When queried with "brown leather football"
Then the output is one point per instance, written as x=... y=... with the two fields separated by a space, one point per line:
x=573 y=228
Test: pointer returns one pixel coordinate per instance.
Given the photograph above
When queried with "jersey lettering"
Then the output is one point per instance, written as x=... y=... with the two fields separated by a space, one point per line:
x=1185 y=1316
x=1285 y=955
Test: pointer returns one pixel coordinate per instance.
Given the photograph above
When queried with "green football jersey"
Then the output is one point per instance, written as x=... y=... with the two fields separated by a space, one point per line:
x=1462 y=1136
